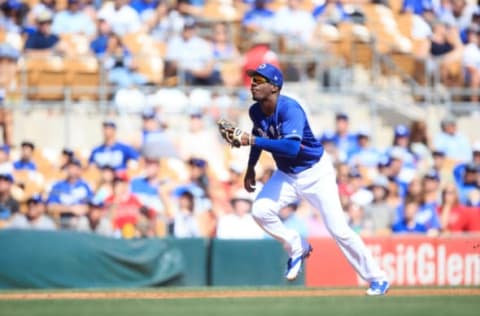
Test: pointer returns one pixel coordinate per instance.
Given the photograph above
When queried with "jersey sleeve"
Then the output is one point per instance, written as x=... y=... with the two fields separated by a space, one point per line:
x=54 y=197
x=292 y=121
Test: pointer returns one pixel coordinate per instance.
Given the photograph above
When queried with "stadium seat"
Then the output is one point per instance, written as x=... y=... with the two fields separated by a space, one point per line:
x=45 y=77
x=84 y=77
x=151 y=67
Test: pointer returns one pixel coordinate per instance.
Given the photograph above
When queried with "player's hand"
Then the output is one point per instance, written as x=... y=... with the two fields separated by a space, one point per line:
x=232 y=134
x=249 y=181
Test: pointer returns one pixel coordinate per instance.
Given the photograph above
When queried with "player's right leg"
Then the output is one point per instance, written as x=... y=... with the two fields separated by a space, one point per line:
x=275 y=194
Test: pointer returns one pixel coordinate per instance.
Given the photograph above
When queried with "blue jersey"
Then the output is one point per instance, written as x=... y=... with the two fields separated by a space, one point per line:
x=67 y=193
x=288 y=121
x=24 y=165
x=115 y=156
x=147 y=192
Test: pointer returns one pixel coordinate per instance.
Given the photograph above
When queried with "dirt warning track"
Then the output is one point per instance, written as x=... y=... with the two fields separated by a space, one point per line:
x=78 y=295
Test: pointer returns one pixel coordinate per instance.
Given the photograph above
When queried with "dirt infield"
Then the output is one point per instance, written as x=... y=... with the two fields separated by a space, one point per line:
x=233 y=294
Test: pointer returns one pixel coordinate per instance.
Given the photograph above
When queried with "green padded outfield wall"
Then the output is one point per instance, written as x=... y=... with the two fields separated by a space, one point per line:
x=31 y=259
x=249 y=263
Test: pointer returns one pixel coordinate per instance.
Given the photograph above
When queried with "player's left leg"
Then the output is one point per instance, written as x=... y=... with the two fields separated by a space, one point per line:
x=319 y=187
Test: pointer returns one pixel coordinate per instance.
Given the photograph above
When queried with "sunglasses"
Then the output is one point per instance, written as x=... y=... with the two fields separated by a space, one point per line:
x=259 y=80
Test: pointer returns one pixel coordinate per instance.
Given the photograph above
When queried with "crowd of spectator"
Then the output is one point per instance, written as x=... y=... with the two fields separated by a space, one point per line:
x=419 y=184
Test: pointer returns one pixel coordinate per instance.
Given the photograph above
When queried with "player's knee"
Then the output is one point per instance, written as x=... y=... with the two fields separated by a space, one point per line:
x=262 y=209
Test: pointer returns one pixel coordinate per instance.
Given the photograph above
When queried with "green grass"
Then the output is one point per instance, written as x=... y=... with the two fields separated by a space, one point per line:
x=337 y=306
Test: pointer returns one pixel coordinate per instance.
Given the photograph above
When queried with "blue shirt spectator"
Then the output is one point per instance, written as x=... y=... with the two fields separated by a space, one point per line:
x=143 y=5
x=455 y=145
x=24 y=165
x=25 y=162
x=465 y=175
x=112 y=153
x=331 y=11
x=416 y=6
x=402 y=228
x=73 y=20
x=259 y=17
x=42 y=38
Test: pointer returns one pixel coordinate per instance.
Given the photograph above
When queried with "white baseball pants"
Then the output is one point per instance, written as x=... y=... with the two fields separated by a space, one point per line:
x=318 y=186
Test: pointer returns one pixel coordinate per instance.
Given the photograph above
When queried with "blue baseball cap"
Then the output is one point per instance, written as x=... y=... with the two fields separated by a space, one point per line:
x=402 y=131
x=6 y=176
x=35 y=199
x=109 y=123
x=269 y=72
x=432 y=174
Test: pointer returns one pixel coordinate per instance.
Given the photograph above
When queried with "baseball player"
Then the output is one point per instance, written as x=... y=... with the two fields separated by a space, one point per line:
x=280 y=127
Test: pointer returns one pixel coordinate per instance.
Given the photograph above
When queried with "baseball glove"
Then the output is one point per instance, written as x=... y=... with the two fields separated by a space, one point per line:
x=229 y=132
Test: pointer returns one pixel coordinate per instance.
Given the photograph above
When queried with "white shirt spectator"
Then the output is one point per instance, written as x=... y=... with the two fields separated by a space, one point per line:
x=420 y=29
x=471 y=56
x=73 y=22
x=185 y=226
x=193 y=54
x=103 y=228
x=20 y=221
x=123 y=21
x=232 y=226
x=294 y=24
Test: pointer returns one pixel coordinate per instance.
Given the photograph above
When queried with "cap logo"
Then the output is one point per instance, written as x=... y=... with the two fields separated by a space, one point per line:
x=262 y=66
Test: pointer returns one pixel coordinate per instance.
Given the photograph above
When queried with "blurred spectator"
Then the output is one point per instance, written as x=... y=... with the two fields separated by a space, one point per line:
x=104 y=187
x=344 y=140
x=419 y=144
x=288 y=215
x=223 y=46
x=66 y=155
x=471 y=62
x=94 y=221
x=153 y=128
x=37 y=9
x=462 y=13
x=12 y=13
x=185 y=224
x=200 y=141
x=328 y=141
x=408 y=223
x=130 y=218
x=191 y=57
x=330 y=12
x=260 y=52
x=401 y=140
x=111 y=152
x=259 y=17
x=358 y=221
x=454 y=144
x=466 y=179
x=416 y=6
x=145 y=8
x=240 y=224
x=99 y=44
x=365 y=155
x=454 y=217
x=26 y=156
x=123 y=18
x=73 y=20
x=415 y=190
x=427 y=214
x=440 y=165
x=295 y=24
x=35 y=218
x=8 y=82
x=42 y=40
x=121 y=65
x=68 y=198
x=381 y=214
x=356 y=187
x=167 y=22
x=447 y=47
x=6 y=166
x=8 y=204
x=148 y=187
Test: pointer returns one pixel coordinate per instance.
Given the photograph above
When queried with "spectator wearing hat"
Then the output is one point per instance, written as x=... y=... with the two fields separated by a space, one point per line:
x=37 y=9
x=6 y=166
x=260 y=52
x=466 y=179
x=68 y=198
x=344 y=140
x=129 y=217
x=73 y=21
x=455 y=145
x=8 y=204
x=328 y=141
x=146 y=9
x=330 y=12
x=239 y=224
x=381 y=214
x=12 y=13
x=42 y=40
x=427 y=214
x=35 y=218
x=94 y=221
x=259 y=18
x=152 y=130
x=191 y=57
x=112 y=152
x=401 y=140
x=26 y=157
x=439 y=163
x=122 y=17
x=365 y=155
x=357 y=188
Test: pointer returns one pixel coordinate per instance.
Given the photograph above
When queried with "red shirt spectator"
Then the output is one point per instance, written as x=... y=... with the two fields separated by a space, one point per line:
x=454 y=217
x=258 y=54
x=473 y=219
